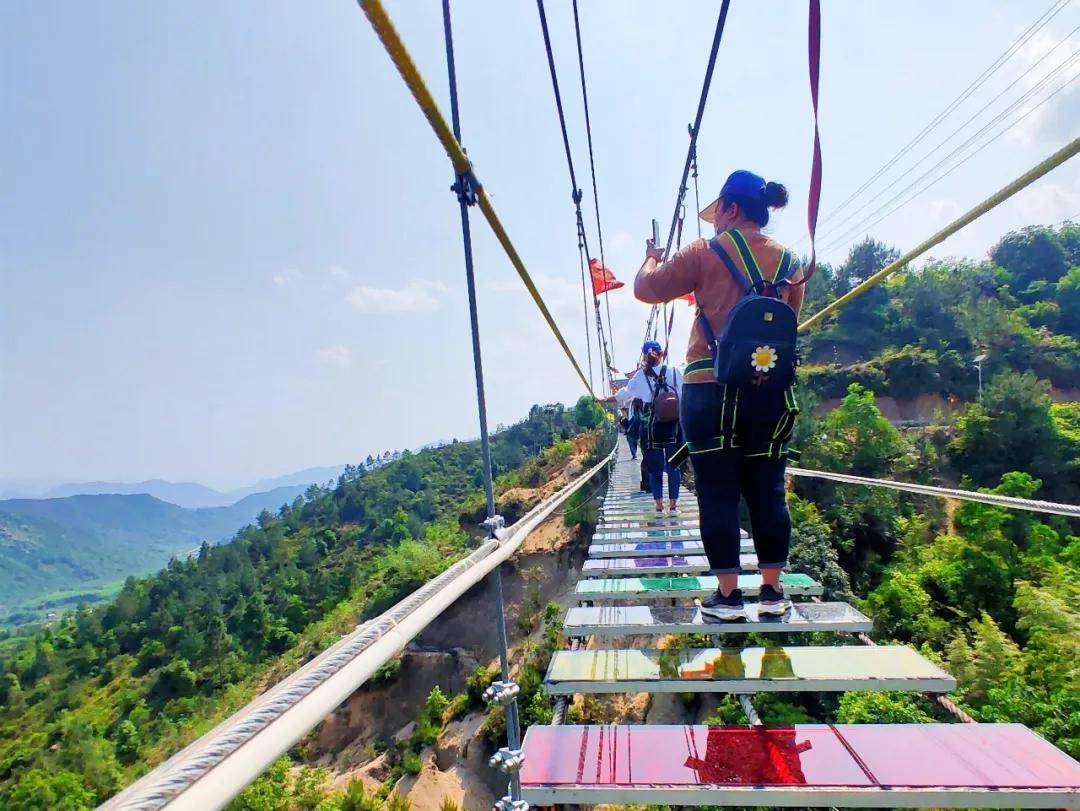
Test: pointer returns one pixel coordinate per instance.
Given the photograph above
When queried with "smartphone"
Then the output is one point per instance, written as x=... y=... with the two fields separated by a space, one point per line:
x=655 y=232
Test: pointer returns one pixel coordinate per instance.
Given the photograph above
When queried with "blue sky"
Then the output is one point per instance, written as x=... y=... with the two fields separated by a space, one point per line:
x=228 y=249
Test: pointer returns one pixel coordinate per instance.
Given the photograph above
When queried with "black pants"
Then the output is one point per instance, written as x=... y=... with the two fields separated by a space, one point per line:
x=721 y=475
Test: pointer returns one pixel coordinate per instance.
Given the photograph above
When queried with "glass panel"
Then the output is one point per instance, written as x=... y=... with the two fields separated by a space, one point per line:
x=644 y=617
x=690 y=564
x=847 y=664
x=989 y=755
x=750 y=584
x=633 y=535
x=688 y=756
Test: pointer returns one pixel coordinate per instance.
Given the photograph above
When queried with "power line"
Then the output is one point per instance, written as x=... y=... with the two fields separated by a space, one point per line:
x=867 y=223
x=970 y=156
x=981 y=79
x=839 y=226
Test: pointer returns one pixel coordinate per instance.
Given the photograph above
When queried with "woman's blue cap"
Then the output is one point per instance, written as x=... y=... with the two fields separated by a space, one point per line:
x=650 y=346
x=744 y=184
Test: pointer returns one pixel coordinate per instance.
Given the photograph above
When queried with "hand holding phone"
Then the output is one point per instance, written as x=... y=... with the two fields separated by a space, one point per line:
x=651 y=248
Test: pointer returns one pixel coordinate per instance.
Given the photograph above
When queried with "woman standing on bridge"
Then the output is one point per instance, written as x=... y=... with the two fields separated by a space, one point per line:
x=736 y=454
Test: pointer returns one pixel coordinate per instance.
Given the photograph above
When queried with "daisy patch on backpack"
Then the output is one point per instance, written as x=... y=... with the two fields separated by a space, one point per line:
x=763 y=359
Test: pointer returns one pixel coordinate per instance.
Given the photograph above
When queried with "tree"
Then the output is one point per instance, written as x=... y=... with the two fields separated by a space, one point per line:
x=587 y=413
x=1068 y=301
x=1012 y=429
x=38 y=790
x=1031 y=255
x=127 y=742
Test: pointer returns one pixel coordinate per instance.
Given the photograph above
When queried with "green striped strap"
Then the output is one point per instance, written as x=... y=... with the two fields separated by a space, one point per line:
x=699 y=365
x=747 y=256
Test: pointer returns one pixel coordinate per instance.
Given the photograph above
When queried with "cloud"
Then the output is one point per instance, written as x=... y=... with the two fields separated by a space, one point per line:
x=286 y=277
x=338 y=272
x=336 y=355
x=419 y=296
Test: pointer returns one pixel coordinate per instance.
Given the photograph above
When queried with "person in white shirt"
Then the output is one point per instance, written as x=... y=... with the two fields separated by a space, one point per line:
x=659 y=439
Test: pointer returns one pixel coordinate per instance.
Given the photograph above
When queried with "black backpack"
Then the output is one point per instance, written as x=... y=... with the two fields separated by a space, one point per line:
x=755 y=355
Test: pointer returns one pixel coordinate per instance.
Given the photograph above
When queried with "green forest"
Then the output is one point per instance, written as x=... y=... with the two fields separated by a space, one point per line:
x=92 y=702
x=993 y=595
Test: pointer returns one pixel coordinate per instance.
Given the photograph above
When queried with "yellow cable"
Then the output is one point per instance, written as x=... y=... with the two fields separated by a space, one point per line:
x=390 y=39
x=1026 y=179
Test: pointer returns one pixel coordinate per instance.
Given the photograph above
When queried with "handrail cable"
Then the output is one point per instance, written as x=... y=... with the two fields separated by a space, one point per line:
x=695 y=129
x=994 y=499
x=592 y=170
x=1056 y=7
x=406 y=68
x=845 y=232
x=949 y=171
x=575 y=192
x=493 y=522
x=996 y=199
x=211 y=770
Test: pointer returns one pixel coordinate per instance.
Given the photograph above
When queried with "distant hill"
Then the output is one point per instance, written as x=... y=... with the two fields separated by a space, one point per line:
x=182 y=494
x=84 y=542
x=311 y=475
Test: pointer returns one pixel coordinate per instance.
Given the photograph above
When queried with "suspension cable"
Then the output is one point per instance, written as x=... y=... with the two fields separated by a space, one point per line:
x=694 y=175
x=585 y=304
x=1065 y=153
x=406 y=68
x=461 y=186
x=592 y=170
x=695 y=129
x=576 y=194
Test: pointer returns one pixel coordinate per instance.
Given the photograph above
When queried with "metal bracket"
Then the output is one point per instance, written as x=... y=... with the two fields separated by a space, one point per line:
x=507 y=760
x=465 y=188
x=502 y=692
x=496 y=526
x=506 y=804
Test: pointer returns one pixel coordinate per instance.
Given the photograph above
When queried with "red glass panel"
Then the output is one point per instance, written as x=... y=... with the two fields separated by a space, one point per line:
x=987 y=755
x=687 y=755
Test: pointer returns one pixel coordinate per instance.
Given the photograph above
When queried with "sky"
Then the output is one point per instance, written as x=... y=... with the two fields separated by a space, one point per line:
x=228 y=248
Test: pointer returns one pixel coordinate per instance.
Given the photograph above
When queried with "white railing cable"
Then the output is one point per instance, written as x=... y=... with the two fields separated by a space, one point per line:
x=1009 y=502
x=212 y=770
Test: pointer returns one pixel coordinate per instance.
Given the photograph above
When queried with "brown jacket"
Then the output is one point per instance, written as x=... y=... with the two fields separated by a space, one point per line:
x=697 y=269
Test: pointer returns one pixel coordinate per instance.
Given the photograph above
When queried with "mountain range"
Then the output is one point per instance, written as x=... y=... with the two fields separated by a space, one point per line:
x=82 y=542
x=183 y=494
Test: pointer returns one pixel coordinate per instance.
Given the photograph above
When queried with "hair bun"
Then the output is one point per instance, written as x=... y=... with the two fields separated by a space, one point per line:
x=776 y=195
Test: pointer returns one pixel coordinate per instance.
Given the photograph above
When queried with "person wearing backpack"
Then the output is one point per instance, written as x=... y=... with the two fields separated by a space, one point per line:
x=738 y=403
x=657 y=388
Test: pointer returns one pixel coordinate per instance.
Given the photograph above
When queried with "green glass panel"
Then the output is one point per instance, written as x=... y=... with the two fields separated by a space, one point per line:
x=849 y=664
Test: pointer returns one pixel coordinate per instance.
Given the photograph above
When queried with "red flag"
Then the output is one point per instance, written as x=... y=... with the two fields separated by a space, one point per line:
x=689 y=299
x=603 y=279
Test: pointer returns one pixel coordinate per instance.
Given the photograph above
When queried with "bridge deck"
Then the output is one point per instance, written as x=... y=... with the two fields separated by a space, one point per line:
x=843 y=765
